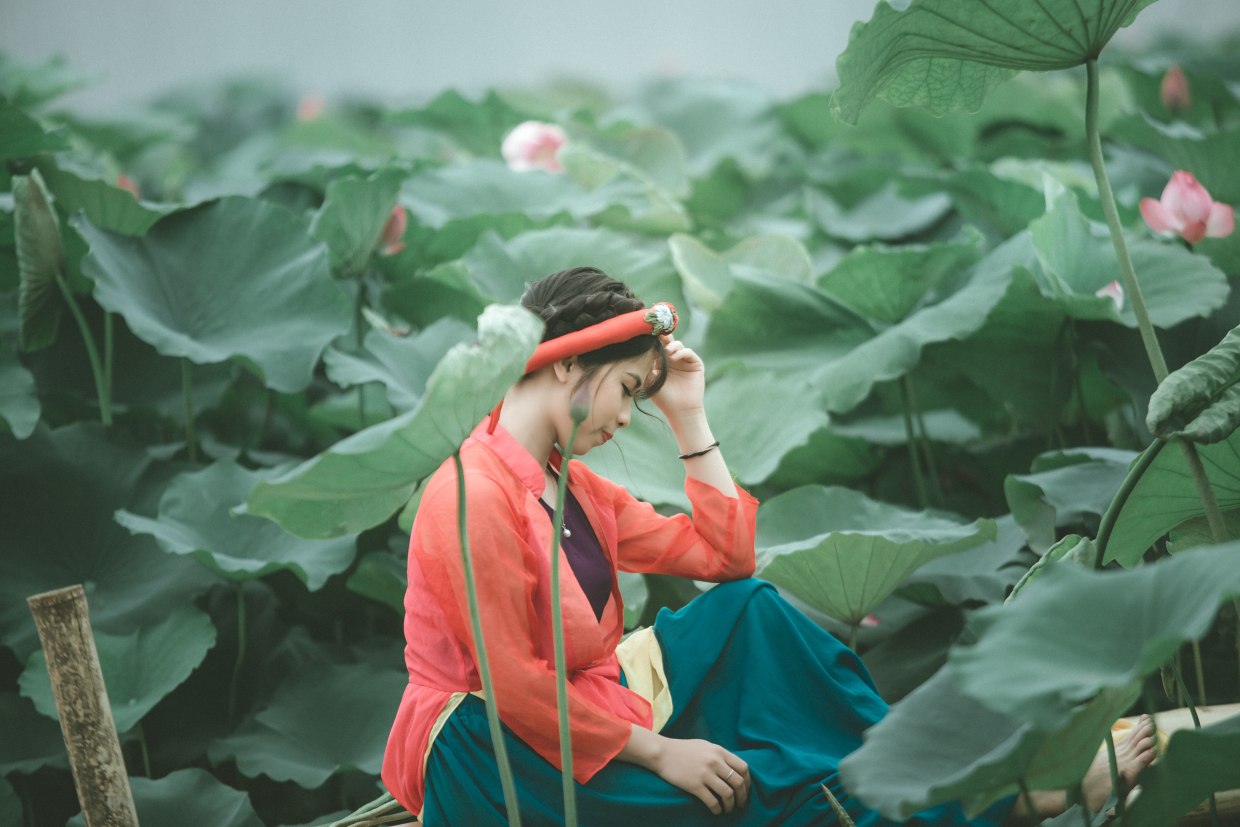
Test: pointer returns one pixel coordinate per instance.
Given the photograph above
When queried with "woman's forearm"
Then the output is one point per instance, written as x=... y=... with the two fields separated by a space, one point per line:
x=644 y=747
x=693 y=434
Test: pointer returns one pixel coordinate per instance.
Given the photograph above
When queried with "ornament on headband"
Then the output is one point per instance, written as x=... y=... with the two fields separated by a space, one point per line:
x=657 y=320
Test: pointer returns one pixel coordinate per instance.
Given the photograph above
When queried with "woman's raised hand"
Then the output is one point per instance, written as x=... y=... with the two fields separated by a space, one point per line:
x=685 y=386
x=708 y=771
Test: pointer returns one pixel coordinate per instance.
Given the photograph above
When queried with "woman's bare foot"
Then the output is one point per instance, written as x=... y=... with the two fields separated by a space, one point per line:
x=1133 y=753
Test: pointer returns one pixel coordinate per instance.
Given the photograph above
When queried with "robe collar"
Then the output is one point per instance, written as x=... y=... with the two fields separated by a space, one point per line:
x=515 y=455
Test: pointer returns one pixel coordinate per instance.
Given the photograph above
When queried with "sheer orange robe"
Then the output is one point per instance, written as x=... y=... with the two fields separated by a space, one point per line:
x=509 y=534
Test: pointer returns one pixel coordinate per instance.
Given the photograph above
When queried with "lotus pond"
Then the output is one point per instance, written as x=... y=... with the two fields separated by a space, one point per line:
x=238 y=331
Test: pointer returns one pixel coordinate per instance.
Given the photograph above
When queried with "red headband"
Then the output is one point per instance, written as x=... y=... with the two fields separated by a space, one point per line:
x=658 y=319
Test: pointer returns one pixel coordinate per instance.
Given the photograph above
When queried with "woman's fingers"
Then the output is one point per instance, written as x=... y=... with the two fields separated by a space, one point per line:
x=724 y=793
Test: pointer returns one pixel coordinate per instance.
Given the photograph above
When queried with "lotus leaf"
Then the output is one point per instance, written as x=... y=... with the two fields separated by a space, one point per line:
x=41 y=260
x=367 y=477
x=1195 y=764
x=402 y=365
x=948 y=55
x=233 y=279
x=1165 y=497
x=708 y=275
x=381 y=577
x=1032 y=662
x=884 y=215
x=292 y=740
x=196 y=519
x=61 y=489
x=1063 y=488
x=477 y=127
x=139 y=669
x=21 y=136
x=1200 y=401
x=105 y=205
x=189 y=796
x=843 y=553
x=19 y=400
x=30 y=740
x=939 y=745
x=352 y=218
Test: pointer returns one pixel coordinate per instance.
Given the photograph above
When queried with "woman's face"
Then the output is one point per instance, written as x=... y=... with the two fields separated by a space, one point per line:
x=609 y=393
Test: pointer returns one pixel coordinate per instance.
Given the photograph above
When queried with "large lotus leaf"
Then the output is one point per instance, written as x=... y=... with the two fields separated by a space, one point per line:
x=984 y=197
x=1078 y=259
x=843 y=553
x=755 y=446
x=830 y=456
x=291 y=739
x=364 y=479
x=196 y=518
x=947 y=55
x=381 y=577
x=940 y=426
x=638 y=202
x=650 y=153
x=1033 y=662
x=885 y=215
x=10 y=804
x=478 y=127
x=894 y=351
x=402 y=364
x=21 y=136
x=482 y=187
x=886 y=284
x=1165 y=497
x=780 y=325
x=979 y=575
x=61 y=488
x=1195 y=764
x=1062 y=488
x=446 y=290
x=40 y=259
x=352 y=218
x=32 y=84
x=19 y=399
x=30 y=740
x=716 y=121
x=189 y=796
x=939 y=745
x=1021 y=335
x=233 y=279
x=1072 y=547
x=708 y=275
x=139 y=669
x=642 y=458
x=106 y=205
x=1200 y=401
x=501 y=269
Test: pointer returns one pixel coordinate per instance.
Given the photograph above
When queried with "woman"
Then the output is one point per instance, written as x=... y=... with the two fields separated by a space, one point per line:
x=757 y=704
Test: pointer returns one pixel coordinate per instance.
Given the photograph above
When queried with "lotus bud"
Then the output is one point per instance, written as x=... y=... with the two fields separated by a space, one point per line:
x=579 y=405
x=869 y=622
x=1174 y=90
x=1113 y=291
x=393 y=231
x=128 y=184
x=1188 y=210
x=534 y=145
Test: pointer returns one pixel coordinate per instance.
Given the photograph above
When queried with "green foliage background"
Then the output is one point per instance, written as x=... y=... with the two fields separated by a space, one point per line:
x=908 y=364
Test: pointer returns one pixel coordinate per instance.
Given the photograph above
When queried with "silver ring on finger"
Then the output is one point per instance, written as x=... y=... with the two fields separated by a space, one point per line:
x=729 y=775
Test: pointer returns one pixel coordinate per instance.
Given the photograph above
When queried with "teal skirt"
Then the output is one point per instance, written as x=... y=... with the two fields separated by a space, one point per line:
x=746 y=671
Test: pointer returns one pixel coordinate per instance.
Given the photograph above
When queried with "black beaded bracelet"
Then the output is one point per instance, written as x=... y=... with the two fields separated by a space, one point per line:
x=705 y=450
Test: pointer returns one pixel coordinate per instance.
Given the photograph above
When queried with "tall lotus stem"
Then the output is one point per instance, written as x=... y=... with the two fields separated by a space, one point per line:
x=187 y=402
x=92 y=353
x=579 y=410
x=911 y=435
x=1132 y=290
x=484 y=665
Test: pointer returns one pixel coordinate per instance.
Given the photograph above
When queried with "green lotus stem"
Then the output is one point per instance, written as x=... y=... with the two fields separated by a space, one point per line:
x=1192 y=710
x=191 y=445
x=235 y=684
x=923 y=440
x=852 y=636
x=1132 y=291
x=1116 y=792
x=1200 y=673
x=1144 y=461
x=1029 y=805
x=1085 y=812
x=146 y=752
x=1076 y=375
x=911 y=437
x=484 y=666
x=92 y=353
x=107 y=354
x=557 y=633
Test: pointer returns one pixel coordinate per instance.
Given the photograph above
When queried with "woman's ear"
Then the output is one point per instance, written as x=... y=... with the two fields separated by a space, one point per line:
x=565 y=369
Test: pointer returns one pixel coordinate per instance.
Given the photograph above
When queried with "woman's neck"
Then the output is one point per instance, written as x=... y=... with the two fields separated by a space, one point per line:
x=528 y=425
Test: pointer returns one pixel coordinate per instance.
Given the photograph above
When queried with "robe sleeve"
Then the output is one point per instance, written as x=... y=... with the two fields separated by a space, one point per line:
x=506 y=572
x=716 y=543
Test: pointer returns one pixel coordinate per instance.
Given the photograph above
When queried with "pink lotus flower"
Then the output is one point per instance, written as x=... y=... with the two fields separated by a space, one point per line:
x=1113 y=291
x=869 y=622
x=390 y=239
x=126 y=183
x=534 y=145
x=1174 y=90
x=310 y=107
x=1187 y=209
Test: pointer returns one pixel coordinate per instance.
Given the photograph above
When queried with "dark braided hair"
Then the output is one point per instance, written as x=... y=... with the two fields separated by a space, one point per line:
x=582 y=296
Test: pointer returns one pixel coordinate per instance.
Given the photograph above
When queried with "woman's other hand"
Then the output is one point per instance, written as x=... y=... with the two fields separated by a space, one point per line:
x=685 y=386
x=717 y=777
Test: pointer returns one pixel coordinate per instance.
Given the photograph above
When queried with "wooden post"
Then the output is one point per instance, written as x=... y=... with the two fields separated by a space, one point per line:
x=82 y=705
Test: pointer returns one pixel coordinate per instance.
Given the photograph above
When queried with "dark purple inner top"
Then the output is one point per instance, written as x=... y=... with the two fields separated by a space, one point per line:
x=585 y=555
